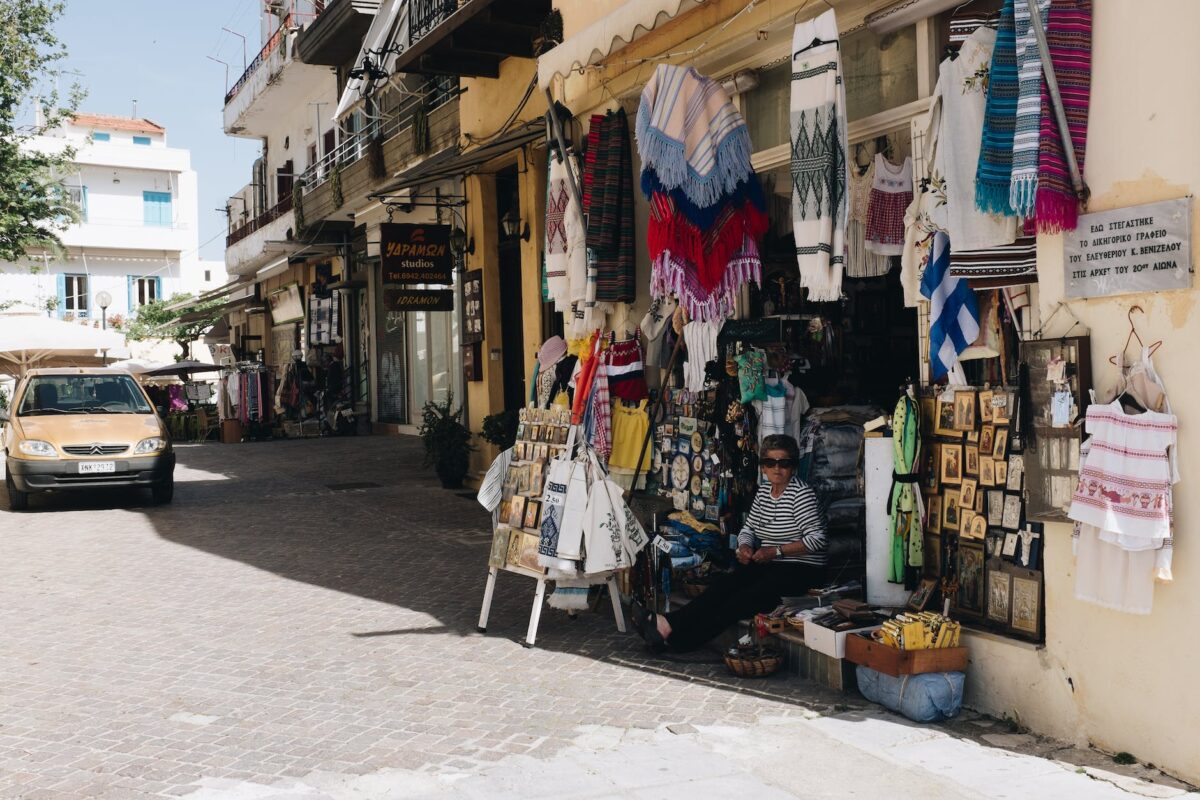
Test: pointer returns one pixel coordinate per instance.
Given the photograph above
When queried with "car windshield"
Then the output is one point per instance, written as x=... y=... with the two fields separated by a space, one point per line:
x=82 y=394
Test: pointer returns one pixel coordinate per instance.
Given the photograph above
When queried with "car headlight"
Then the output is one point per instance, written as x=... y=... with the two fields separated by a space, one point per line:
x=36 y=447
x=151 y=445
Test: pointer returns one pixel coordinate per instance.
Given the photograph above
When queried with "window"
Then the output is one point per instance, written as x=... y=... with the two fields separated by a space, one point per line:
x=143 y=291
x=92 y=394
x=73 y=295
x=207 y=275
x=141 y=140
x=100 y=137
x=156 y=207
x=78 y=197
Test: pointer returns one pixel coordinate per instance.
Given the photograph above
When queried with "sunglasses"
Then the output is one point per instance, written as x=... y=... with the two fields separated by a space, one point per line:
x=782 y=463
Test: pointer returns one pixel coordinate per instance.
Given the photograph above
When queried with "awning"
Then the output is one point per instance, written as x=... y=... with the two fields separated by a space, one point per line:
x=389 y=27
x=451 y=163
x=220 y=291
x=607 y=35
x=232 y=305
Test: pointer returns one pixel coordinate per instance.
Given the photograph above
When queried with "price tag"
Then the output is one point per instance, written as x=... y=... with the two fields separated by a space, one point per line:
x=663 y=545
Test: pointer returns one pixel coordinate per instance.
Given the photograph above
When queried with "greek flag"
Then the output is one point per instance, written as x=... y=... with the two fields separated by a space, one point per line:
x=953 y=312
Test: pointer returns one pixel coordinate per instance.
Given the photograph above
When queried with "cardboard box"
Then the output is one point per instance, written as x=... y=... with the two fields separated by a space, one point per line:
x=828 y=641
x=231 y=431
x=880 y=657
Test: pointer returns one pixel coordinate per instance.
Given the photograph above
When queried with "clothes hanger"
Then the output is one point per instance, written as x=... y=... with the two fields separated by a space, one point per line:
x=1133 y=334
x=816 y=40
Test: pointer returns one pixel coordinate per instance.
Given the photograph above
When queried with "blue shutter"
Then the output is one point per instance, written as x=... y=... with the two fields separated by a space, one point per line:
x=156 y=209
x=83 y=204
x=130 y=283
x=141 y=140
x=158 y=295
x=62 y=293
x=100 y=137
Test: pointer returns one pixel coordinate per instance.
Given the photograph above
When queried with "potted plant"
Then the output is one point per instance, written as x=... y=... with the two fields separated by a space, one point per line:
x=500 y=429
x=447 y=441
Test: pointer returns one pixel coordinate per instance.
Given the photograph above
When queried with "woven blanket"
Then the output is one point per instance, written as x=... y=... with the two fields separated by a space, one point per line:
x=689 y=132
x=672 y=275
x=1016 y=262
x=565 y=248
x=818 y=161
x=1022 y=192
x=609 y=182
x=700 y=216
x=709 y=249
x=994 y=172
x=1069 y=39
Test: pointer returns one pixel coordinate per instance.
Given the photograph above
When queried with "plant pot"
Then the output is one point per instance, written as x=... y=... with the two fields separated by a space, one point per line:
x=451 y=477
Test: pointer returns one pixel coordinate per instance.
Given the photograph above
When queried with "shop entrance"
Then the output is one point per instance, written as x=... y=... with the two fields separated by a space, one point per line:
x=512 y=320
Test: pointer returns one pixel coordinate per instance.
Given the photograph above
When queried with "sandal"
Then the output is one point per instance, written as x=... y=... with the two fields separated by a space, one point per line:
x=646 y=622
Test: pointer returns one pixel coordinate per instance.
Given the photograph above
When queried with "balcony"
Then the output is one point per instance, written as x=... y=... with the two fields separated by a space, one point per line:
x=334 y=37
x=250 y=246
x=470 y=38
x=275 y=73
x=124 y=234
x=394 y=137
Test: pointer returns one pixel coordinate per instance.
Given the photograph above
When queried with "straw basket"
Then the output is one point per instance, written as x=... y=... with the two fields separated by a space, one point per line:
x=753 y=662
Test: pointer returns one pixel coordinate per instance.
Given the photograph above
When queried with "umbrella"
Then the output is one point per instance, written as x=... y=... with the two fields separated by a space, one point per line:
x=180 y=369
x=29 y=339
x=134 y=366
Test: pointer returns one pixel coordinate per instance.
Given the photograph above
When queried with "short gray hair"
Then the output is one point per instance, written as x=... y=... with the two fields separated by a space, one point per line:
x=780 y=441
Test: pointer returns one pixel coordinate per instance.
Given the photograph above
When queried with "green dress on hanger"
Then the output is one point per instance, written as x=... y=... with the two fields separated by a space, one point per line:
x=904 y=504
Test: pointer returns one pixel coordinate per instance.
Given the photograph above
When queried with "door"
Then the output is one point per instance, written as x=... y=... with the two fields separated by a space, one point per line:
x=512 y=323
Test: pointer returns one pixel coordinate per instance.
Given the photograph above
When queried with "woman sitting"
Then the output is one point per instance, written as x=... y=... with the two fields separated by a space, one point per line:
x=781 y=553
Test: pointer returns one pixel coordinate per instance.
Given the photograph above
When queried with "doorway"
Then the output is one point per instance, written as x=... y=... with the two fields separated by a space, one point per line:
x=512 y=301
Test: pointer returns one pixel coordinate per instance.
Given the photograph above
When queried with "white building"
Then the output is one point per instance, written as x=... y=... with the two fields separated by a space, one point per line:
x=137 y=236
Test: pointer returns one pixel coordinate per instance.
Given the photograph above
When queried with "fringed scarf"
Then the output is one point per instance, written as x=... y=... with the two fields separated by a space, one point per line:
x=670 y=274
x=709 y=249
x=749 y=190
x=1022 y=193
x=609 y=205
x=994 y=172
x=1069 y=38
x=691 y=134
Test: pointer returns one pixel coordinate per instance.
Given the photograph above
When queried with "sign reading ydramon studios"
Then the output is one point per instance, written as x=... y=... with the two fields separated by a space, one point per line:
x=1146 y=248
x=415 y=253
x=418 y=299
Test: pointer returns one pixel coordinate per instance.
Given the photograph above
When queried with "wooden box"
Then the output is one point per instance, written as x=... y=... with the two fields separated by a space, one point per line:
x=869 y=653
x=231 y=431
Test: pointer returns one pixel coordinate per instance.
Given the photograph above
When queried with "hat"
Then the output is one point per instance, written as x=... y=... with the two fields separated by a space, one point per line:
x=553 y=349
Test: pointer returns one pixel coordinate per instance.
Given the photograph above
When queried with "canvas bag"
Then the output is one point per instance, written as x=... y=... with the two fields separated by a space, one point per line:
x=564 y=499
x=614 y=535
x=492 y=488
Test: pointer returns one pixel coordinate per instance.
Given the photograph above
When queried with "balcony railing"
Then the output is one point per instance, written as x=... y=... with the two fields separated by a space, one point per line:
x=261 y=221
x=435 y=93
x=276 y=39
x=425 y=15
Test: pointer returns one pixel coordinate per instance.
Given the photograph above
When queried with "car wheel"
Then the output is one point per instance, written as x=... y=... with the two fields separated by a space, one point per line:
x=17 y=500
x=163 y=492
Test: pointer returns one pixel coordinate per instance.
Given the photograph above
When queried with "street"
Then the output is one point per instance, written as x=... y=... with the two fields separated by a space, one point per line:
x=300 y=623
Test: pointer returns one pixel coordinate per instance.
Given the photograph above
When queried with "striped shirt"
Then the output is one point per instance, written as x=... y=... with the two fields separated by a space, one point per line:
x=795 y=517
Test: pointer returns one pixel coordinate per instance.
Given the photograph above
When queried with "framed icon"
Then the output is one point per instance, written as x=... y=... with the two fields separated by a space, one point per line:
x=951 y=468
x=964 y=410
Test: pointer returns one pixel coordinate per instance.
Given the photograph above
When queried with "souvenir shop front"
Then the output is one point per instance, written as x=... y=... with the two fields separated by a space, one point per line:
x=852 y=222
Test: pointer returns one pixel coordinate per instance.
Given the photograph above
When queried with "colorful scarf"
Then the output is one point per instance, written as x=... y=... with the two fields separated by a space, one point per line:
x=749 y=190
x=691 y=134
x=670 y=274
x=994 y=172
x=1022 y=193
x=1069 y=39
x=609 y=207
x=709 y=249
x=818 y=162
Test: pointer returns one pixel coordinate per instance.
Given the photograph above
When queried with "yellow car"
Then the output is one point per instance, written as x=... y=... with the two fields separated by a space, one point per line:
x=76 y=428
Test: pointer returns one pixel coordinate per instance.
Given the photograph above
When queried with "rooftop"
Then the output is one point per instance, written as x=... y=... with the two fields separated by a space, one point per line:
x=115 y=123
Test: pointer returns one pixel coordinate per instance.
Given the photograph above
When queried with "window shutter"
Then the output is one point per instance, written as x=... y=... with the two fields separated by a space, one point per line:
x=83 y=205
x=158 y=295
x=130 y=296
x=62 y=293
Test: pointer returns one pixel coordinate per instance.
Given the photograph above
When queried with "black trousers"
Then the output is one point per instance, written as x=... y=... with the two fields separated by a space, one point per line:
x=748 y=590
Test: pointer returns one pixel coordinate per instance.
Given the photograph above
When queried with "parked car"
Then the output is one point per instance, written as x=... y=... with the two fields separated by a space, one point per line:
x=75 y=428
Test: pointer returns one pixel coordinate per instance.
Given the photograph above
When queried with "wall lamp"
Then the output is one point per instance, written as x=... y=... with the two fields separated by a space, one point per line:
x=459 y=242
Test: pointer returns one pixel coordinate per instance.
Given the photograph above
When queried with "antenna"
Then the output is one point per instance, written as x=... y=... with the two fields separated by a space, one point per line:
x=219 y=61
x=135 y=108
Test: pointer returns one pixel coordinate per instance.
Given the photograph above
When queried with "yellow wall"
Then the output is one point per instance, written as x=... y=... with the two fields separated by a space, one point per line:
x=486 y=103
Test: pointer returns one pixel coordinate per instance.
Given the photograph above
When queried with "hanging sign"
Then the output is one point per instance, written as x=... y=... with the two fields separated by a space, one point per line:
x=1146 y=248
x=418 y=299
x=415 y=253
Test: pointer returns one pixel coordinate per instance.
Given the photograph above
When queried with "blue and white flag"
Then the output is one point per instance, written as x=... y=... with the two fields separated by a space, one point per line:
x=953 y=312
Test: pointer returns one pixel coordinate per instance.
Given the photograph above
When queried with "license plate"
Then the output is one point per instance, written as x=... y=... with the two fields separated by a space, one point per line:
x=89 y=467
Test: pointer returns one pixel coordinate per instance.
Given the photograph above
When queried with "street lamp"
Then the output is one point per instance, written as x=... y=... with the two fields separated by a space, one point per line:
x=104 y=300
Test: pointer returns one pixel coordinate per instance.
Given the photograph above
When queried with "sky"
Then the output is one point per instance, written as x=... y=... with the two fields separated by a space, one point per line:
x=156 y=51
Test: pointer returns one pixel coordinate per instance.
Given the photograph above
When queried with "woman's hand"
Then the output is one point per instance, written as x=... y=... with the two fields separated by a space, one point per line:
x=765 y=554
x=744 y=554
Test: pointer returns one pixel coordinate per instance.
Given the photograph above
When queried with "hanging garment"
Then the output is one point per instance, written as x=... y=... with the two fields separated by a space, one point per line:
x=629 y=427
x=1022 y=193
x=953 y=312
x=904 y=503
x=692 y=136
x=751 y=373
x=600 y=413
x=861 y=262
x=1005 y=265
x=1110 y=576
x=626 y=371
x=566 y=256
x=773 y=411
x=709 y=249
x=964 y=23
x=700 y=338
x=957 y=112
x=1069 y=40
x=818 y=161
x=670 y=275
x=994 y=171
x=891 y=195
x=610 y=230
x=654 y=325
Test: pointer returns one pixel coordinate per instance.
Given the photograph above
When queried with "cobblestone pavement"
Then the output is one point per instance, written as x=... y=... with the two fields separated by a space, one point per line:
x=307 y=608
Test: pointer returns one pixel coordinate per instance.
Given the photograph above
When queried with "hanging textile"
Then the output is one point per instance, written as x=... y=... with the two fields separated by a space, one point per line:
x=1012 y=264
x=1069 y=40
x=891 y=194
x=994 y=171
x=953 y=312
x=1027 y=131
x=904 y=503
x=609 y=208
x=861 y=262
x=672 y=275
x=566 y=256
x=626 y=369
x=818 y=162
x=709 y=249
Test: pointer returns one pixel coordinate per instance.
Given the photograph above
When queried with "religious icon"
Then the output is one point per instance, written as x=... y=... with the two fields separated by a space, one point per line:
x=952 y=463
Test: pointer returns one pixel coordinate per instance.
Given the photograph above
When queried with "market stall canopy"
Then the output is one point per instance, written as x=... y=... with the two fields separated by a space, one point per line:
x=28 y=339
x=134 y=366
x=180 y=369
x=389 y=27
x=607 y=35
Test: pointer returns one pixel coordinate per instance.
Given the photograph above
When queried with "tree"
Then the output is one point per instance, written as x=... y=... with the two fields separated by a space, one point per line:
x=164 y=319
x=34 y=205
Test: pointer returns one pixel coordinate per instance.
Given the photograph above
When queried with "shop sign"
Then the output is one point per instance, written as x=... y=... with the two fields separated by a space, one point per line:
x=415 y=253
x=472 y=306
x=418 y=299
x=1144 y=248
